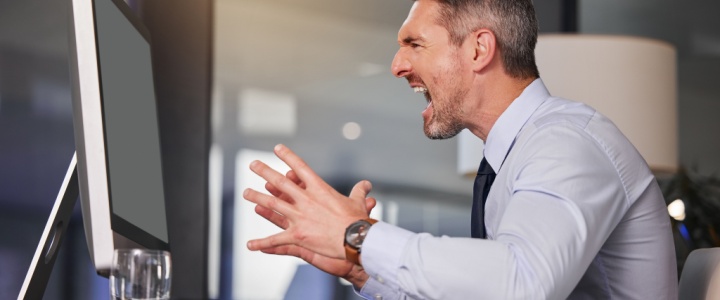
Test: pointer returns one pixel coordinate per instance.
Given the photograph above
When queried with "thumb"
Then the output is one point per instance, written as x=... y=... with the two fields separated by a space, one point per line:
x=370 y=203
x=361 y=190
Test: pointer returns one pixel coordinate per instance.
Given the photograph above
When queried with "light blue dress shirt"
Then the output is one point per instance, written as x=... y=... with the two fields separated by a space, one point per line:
x=574 y=212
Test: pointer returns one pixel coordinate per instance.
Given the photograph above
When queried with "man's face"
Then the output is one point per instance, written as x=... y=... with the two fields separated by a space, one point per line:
x=433 y=67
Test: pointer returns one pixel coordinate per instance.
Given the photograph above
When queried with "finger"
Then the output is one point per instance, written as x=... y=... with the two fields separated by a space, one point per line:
x=302 y=170
x=275 y=240
x=279 y=181
x=282 y=250
x=290 y=250
x=361 y=190
x=290 y=175
x=277 y=193
x=370 y=203
x=272 y=190
x=293 y=176
x=268 y=201
x=272 y=216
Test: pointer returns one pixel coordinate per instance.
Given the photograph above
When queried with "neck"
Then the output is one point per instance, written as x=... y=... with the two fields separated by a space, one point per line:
x=493 y=94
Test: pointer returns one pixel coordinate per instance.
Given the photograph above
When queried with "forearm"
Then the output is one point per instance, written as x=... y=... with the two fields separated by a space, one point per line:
x=429 y=267
x=518 y=265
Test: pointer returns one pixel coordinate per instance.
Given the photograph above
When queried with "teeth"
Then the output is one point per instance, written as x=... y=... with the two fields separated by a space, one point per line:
x=419 y=89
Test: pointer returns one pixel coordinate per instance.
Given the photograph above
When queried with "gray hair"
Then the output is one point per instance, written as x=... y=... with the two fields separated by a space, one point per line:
x=512 y=21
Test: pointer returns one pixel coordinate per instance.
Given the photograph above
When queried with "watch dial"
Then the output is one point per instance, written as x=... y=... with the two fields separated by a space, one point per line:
x=356 y=234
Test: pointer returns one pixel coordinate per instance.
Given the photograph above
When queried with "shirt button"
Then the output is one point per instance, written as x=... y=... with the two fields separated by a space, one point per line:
x=378 y=297
x=380 y=280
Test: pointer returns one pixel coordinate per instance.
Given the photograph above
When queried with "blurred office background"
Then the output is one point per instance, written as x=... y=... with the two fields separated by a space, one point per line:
x=312 y=74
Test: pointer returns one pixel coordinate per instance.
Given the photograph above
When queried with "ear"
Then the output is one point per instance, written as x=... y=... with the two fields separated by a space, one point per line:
x=484 y=48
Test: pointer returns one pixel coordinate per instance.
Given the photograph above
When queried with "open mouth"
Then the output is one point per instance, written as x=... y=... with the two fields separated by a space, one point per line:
x=424 y=91
x=418 y=87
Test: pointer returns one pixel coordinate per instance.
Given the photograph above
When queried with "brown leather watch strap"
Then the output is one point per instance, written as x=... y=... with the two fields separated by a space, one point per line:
x=352 y=255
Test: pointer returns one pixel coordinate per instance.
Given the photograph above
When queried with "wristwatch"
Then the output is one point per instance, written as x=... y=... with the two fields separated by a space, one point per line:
x=354 y=237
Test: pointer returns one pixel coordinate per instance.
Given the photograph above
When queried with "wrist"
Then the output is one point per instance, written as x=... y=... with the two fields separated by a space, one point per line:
x=357 y=276
x=354 y=237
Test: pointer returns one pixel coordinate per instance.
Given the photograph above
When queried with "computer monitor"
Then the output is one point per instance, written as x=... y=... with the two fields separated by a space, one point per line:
x=117 y=167
x=116 y=131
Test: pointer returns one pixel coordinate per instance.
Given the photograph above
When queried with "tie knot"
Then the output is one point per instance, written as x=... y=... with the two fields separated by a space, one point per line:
x=485 y=168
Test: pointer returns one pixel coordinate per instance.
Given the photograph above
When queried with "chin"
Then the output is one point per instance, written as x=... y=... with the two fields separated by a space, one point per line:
x=435 y=131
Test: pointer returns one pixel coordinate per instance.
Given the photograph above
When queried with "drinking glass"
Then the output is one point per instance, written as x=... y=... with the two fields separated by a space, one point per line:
x=140 y=274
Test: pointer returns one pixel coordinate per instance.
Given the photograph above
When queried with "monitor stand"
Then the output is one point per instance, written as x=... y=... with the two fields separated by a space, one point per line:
x=44 y=259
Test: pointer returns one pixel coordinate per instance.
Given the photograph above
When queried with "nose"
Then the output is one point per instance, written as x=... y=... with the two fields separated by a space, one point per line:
x=400 y=67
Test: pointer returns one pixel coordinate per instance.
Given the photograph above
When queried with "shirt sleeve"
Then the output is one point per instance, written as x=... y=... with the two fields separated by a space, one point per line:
x=406 y=265
x=382 y=251
x=564 y=200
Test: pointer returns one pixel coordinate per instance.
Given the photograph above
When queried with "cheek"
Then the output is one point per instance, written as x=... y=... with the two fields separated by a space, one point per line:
x=447 y=78
x=442 y=73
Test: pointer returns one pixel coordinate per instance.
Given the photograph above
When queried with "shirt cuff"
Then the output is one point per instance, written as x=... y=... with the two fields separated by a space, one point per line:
x=381 y=255
x=375 y=290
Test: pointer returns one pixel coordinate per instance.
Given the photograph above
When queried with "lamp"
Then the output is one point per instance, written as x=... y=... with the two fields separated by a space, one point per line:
x=630 y=80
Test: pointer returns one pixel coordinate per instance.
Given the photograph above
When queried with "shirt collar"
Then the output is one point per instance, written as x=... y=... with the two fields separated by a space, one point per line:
x=502 y=135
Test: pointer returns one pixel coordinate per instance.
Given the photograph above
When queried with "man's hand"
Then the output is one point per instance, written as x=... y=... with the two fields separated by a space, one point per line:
x=313 y=214
x=337 y=267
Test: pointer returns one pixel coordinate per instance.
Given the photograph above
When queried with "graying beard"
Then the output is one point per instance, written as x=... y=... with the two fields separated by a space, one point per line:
x=443 y=133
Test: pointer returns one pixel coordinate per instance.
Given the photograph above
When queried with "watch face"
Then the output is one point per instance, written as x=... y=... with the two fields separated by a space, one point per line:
x=356 y=232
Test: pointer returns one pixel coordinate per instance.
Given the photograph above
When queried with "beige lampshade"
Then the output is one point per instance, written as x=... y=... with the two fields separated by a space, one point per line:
x=630 y=80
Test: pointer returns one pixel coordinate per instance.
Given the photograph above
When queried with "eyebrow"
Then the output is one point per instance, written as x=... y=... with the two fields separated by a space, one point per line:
x=412 y=39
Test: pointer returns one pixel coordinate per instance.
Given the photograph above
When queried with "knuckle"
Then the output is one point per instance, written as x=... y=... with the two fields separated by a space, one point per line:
x=272 y=203
x=281 y=182
x=271 y=241
x=298 y=235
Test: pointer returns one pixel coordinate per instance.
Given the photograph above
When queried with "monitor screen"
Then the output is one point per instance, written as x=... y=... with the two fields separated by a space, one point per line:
x=116 y=131
x=130 y=120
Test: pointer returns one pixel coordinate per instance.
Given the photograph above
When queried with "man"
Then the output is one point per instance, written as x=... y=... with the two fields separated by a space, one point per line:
x=573 y=212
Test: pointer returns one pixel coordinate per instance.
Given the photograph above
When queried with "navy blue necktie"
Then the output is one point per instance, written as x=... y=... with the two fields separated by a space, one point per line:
x=483 y=181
